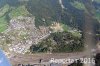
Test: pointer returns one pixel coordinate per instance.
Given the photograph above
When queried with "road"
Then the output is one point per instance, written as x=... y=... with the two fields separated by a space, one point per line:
x=89 y=36
x=34 y=58
x=42 y=37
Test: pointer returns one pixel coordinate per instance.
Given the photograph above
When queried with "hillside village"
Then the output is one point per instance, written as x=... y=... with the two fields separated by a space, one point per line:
x=21 y=34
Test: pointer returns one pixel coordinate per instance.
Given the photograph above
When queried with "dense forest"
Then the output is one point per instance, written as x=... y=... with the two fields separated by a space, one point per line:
x=56 y=41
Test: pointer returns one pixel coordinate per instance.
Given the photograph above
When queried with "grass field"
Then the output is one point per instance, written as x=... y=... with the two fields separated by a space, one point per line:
x=78 y=5
x=4 y=10
x=97 y=15
x=3 y=24
x=3 y=20
x=20 y=11
x=69 y=29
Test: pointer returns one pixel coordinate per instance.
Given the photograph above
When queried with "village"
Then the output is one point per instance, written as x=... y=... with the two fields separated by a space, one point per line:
x=22 y=33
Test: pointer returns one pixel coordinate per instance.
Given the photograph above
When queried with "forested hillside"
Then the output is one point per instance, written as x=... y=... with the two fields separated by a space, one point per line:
x=48 y=11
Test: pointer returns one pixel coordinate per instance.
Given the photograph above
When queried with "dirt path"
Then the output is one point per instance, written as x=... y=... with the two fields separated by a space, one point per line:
x=34 y=58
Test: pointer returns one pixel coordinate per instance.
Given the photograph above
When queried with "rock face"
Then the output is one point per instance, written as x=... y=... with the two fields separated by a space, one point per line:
x=22 y=33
